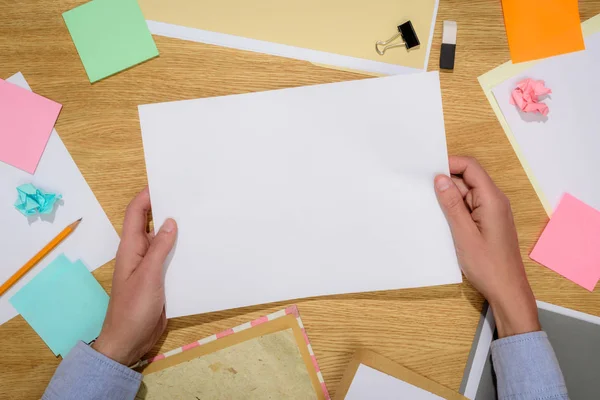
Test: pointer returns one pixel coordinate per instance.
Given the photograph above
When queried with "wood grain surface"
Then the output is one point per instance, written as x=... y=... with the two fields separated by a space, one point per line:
x=427 y=330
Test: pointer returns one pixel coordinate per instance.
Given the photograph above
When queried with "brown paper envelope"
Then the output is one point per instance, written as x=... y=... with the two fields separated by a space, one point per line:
x=277 y=325
x=382 y=364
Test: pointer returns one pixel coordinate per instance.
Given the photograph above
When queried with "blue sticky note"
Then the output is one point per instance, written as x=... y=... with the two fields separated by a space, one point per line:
x=64 y=303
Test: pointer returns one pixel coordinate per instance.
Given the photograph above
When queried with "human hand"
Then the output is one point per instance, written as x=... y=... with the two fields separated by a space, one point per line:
x=485 y=237
x=136 y=311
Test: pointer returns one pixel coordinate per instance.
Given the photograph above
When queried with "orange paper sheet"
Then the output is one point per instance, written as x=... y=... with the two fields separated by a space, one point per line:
x=542 y=28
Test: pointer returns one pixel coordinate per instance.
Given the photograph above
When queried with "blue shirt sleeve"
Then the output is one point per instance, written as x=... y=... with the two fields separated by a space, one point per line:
x=527 y=369
x=86 y=374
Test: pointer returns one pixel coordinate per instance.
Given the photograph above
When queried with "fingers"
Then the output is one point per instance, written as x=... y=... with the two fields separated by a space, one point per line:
x=455 y=210
x=471 y=171
x=134 y=240
x=136 y=215
x=161 y=246
x=461 y=185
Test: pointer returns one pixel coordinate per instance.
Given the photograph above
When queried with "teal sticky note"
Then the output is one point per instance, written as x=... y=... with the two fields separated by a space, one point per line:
x=110 y=36
x=63 y=303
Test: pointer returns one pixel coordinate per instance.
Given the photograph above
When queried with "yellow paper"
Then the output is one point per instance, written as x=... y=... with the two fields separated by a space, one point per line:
x=506 y=71
x=269 y=366
x=333 y=26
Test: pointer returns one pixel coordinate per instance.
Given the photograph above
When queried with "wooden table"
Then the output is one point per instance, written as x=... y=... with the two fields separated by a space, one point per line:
x=427 y=330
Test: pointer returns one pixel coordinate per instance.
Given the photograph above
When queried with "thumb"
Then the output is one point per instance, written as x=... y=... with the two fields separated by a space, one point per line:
x=453 y=206
x=161 y=246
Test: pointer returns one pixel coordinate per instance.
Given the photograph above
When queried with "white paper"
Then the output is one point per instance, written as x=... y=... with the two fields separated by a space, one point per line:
x=562 y=149
x=368 y=383
x=486 y=336
x=95 y=241
x=301 y=192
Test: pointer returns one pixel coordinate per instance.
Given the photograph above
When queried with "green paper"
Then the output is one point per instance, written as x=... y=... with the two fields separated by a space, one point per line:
x=64 y=304
x=110 y=36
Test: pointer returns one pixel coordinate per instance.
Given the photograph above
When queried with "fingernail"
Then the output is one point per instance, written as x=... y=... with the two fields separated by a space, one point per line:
x=168 y=226
x=442 y=183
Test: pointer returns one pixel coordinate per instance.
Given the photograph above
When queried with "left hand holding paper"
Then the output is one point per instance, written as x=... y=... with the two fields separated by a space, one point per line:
x=136 y=313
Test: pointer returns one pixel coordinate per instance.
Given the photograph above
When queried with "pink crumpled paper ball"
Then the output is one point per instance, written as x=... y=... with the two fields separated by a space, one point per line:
x=526 y=96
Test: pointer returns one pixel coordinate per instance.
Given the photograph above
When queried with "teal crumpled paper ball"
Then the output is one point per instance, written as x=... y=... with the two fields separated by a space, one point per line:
x=33 y=201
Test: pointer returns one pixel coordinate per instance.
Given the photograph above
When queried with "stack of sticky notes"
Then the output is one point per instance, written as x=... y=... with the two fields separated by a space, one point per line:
x=542 y=28
x=26 y=122
x=110 y=36
x=570 y=244
x=64 y=304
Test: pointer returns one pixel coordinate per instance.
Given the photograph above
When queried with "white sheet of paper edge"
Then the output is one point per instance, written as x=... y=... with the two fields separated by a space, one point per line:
x=95 y=240
x=561 y=149
x=368 y=383
x=478 y=364
x=301 y=192
x=487 y=336
x=282 y=50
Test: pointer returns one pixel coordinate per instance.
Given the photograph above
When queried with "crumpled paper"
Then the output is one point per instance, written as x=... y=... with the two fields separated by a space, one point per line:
x=526 y=96
x=33 y=201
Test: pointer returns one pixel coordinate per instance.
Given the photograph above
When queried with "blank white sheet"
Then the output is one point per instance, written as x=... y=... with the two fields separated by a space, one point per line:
x=95 y=240
x=562 y=149
x=300 y=192
x=368 y=383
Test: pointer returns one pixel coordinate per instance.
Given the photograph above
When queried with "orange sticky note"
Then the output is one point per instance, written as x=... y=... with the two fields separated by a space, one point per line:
x=570 y=244
x=542 y=28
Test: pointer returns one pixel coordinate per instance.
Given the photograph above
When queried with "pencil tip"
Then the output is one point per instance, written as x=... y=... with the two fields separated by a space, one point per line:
x=75 y=224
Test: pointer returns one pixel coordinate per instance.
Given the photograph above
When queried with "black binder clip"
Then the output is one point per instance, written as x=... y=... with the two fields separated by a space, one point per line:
x=408 y=35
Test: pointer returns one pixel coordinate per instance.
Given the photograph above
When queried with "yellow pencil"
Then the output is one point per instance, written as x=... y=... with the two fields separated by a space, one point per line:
x=41 y=254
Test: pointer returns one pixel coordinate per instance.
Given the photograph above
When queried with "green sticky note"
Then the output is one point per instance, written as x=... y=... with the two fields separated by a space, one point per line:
x=63 y=303
x=110 y=36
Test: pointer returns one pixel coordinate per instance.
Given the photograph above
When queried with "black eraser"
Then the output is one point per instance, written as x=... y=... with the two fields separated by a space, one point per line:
x=448 y=51
x=409 y=35
x=447 y=56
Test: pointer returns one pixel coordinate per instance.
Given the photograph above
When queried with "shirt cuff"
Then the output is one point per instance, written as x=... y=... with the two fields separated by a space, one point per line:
x=87 y=374
x=526 y=368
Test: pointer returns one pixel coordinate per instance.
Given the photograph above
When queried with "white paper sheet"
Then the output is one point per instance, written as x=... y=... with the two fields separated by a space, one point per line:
x=301 y=192
x=562 y=149
x=368 y=383
x=95 y=240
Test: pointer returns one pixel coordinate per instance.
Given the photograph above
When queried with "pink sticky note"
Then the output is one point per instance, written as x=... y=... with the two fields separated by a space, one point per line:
x=570 y=244
x=26 y=122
